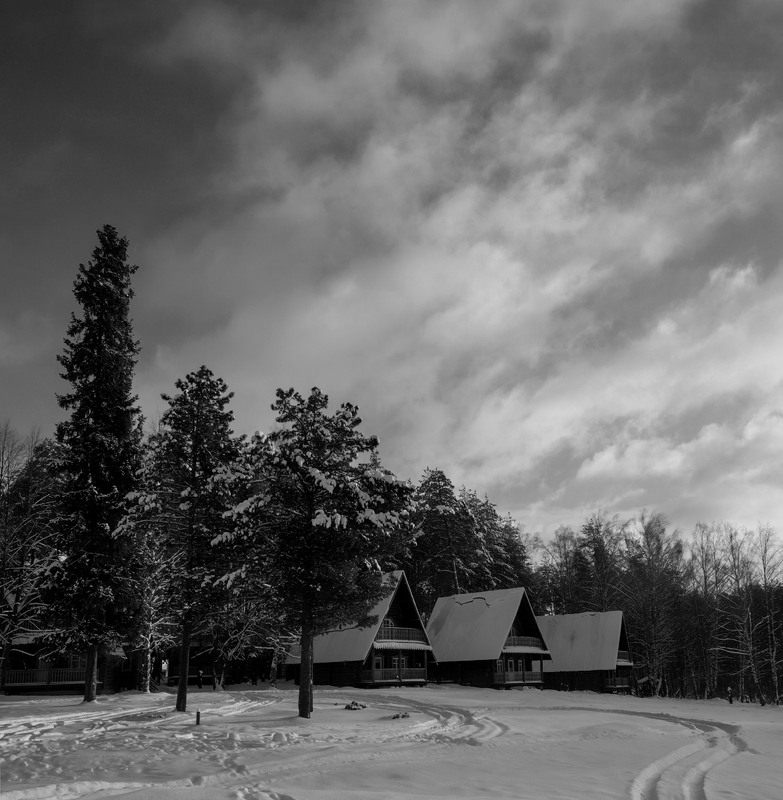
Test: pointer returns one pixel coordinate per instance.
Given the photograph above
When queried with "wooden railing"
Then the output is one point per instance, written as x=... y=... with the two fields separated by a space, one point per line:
x=524 y=641
x=391 y=675
x=623 y=655
x=35 y=677
x=400 y=635
x=527 y=676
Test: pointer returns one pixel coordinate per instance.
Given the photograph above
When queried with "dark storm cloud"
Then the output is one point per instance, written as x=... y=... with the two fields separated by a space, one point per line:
x=539 y=246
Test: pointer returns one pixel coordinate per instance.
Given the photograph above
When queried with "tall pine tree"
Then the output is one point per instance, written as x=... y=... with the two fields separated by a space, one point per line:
x=100 y=455
x=183 y=503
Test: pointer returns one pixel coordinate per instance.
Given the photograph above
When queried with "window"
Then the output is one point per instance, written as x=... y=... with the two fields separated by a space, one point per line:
x=388 y=622
x=499 y=665
x=78 y=662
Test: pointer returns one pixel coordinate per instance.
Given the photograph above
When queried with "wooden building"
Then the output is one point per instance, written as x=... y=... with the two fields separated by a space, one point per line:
x=487 y=639
x=392 y=651
x=31 y=668
x=589 y=652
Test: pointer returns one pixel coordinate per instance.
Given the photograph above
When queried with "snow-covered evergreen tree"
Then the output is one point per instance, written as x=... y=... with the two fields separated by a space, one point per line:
x=183 y=503
x=447 y=552
x=99 y=457
x=323 y=518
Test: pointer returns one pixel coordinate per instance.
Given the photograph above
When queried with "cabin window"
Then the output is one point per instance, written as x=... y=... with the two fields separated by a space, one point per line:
x=510 y=665
x=521 y=665
x=78 y=662
x=513 y=631
x=378 y=662
x=499 y=665
x=388 y=622
x=401 y=662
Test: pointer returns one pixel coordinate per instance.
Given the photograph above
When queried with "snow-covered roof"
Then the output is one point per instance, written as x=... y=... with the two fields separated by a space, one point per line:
x=582 y=642
x=474 y=627
x=353 y=644
x=30 y=637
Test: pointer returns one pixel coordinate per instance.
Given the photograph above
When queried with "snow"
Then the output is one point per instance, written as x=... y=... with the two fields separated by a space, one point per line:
x=455 y=742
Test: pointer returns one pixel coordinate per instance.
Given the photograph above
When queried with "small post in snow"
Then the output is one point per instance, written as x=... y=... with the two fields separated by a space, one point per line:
x=198 y=716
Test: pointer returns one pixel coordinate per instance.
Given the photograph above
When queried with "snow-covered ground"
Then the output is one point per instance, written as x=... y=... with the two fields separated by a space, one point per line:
x=454 y=742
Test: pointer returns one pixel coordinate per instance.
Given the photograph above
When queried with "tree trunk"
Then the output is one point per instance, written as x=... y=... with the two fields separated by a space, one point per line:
x=4 y=665
x=184 y=666
x=773 y=657
x=91 y=675
x=147 y=677
x=306 y=667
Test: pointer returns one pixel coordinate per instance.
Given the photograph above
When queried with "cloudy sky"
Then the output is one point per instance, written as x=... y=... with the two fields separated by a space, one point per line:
x=537 y=242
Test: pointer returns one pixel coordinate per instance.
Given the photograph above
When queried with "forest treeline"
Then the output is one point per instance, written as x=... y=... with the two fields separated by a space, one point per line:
x=111 y=534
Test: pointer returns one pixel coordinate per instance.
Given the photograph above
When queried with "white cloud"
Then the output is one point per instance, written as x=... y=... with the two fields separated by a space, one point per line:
x=520 y=287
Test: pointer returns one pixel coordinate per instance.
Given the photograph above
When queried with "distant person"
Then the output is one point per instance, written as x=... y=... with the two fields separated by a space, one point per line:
x=200 y=678
x=731 y=696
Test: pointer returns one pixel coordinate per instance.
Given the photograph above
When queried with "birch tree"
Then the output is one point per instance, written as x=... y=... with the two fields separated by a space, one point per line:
x=27 y=508
x=707 y=584
x=652 y=593
x=770 y=571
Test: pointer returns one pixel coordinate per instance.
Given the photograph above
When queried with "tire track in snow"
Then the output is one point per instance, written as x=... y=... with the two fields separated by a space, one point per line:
x=454 y=725
x=680 y=775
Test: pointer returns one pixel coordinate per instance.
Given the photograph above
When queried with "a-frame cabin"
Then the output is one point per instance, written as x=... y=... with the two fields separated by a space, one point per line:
x=590 y=652
x=487 y=639
x=392 y=651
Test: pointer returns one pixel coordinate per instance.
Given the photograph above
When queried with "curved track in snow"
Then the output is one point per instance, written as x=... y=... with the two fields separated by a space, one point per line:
x=227 y=749
x=680 y=775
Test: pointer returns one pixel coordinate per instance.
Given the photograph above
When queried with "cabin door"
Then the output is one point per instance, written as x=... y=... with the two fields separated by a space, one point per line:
x=510 y=665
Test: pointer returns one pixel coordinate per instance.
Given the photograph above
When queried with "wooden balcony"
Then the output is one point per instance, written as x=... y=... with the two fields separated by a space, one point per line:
x=56 y=676
x=400 y=635
x=524 y=641
x=406 y=675
x=527 y=677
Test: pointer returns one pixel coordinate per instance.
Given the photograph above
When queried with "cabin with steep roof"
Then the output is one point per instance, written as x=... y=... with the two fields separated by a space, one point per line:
x=487 y=639
x=391 y=651
x=589 y=651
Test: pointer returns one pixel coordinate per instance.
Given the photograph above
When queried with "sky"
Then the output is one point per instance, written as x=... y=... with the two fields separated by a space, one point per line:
x=538 y=242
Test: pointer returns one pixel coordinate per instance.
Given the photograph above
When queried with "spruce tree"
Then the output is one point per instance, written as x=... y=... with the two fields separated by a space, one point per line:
x=446 y=557
x=99 y=457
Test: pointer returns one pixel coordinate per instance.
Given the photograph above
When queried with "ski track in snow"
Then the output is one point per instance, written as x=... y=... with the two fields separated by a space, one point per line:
x=679 y=775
